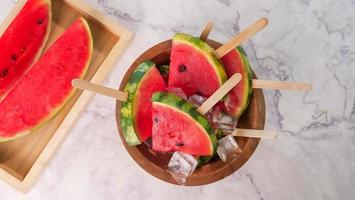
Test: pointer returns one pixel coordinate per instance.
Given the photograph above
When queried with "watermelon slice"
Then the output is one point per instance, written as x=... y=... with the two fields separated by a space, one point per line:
x=177 y=126
x=238 y=98
x=44 y=90
x=136 y=113
x=193 y=67
x=22 y=42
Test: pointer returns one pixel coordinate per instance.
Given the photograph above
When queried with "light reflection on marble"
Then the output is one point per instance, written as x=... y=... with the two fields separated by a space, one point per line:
x=306 y=40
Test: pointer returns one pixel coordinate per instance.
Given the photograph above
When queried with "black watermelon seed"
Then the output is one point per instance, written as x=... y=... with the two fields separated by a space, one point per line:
x=39 y=21
x=179 y=144
x=182 y=68
x=198 y=93
x=4 y=73
x=14 y=57
x=156 y=120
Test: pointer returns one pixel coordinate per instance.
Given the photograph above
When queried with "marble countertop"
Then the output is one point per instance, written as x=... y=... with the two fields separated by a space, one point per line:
x=306 y=40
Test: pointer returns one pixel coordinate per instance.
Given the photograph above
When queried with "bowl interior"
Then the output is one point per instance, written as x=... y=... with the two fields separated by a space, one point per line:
x=156 y=163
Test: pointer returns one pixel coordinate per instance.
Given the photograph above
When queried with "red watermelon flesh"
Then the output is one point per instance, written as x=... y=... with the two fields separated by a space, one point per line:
x=193 y=68
x=44 y=90
x=142 y=105
x=22 y=42
x=177 y=126
x=238 y=98
x=182 y=136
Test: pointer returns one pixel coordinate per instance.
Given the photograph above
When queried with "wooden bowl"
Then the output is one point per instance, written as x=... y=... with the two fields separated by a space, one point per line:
x=156 y=163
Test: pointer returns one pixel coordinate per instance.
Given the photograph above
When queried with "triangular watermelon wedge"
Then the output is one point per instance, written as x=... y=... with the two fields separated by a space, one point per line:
x=238 y=98
x=22 y=42
x=193 y=67
x=177 y=126
x=45 y=89
x=136 y=113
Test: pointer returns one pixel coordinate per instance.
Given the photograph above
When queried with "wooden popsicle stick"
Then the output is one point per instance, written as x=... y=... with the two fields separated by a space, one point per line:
x=220 y=93
x=241 y=37
x=206 y=31
x=281 y=85
x=265 y=134
x=86 y=85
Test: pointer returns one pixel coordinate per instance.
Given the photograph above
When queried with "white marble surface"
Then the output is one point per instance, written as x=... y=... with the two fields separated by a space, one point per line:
x=306 y=40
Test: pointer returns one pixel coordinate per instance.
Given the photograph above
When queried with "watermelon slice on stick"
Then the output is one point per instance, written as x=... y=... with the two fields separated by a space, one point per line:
x=235 y=61
x=136 y=117
x=238 y=98
x=177 y=126
x=193 y=67
x=136 y=109
x=180 y=126
x=45 y=89
x=22 y=42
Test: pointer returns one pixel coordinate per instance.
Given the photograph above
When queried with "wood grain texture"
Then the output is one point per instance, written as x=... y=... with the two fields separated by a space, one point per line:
x=264 y=134
x=206 y=31
x=99 y=89
x=281 y=85
x=22 y=160
x=220 y=93
x=156 y=163
x=241 y=37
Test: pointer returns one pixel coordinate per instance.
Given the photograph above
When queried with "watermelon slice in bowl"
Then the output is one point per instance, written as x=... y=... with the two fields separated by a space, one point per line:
x=238 y=98
x=193 y=66
x=177 y=126
x=156 y=163
x=136 y=118
x=22 y=42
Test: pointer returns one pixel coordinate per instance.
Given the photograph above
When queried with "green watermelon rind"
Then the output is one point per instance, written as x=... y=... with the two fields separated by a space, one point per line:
x=164 y=70
x=182 y=105
x=249 y=73
x=127 y=118
x=248 y=82
x=205 y=49
x=70 y=95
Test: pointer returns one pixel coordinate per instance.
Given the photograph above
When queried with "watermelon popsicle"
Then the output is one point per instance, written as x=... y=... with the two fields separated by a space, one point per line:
x=235 y=60
x=136 y=119
x=190 y=134
x=180 y=126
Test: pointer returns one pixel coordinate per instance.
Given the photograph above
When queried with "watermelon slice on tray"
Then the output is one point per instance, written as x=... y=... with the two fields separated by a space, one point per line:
x=136 y=113
x=45 y=89
x=22 y=42
x=193 y=67
x=238 y=98
x=177 y=126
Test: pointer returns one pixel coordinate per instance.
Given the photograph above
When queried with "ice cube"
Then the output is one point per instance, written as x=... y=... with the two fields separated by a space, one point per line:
x=223 y=121
x=177 y=91
x=197 y=100
x=181 y=166
x=228 y=148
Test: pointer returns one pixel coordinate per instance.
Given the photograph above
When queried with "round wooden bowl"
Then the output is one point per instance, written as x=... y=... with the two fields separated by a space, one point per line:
x=156 y=163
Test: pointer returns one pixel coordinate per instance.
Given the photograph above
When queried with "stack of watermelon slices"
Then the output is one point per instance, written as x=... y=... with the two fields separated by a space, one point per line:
x=173 y=123
x=31 y=94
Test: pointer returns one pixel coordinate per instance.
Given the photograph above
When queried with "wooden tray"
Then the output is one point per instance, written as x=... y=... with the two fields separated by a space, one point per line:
x=22 y=160
x=156 y=164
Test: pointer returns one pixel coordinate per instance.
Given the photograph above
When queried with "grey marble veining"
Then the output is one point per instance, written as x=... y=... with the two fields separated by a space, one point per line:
x=306 y=40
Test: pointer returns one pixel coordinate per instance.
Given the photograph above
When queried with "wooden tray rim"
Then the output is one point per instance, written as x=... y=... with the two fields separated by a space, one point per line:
x=83 y=100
